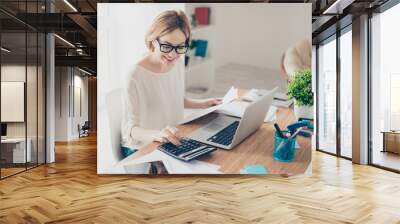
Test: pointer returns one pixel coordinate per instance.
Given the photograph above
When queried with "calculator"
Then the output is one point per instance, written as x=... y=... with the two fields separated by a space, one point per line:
x=188 y=150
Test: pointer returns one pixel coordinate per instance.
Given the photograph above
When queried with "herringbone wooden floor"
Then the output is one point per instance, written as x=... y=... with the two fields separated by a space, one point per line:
x=70 y=191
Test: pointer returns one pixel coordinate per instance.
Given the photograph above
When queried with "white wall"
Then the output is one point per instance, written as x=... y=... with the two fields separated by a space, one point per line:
x=254 y=34
x=82 y=82
x=80 y=118
x=66 y=121
x=61 y=103
x=258 y=34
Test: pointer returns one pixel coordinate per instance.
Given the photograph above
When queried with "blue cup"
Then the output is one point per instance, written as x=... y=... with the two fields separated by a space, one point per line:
x=284 y=148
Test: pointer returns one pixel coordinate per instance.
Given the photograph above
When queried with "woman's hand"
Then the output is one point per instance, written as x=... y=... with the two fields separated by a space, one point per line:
x=201 y=104
x=168 y=134
x=210 y=102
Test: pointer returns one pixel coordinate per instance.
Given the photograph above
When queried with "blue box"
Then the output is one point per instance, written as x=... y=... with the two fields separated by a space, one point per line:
x=201 y=48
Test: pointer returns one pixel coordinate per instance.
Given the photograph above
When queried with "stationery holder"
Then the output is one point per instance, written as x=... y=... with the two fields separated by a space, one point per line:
x=284 y=148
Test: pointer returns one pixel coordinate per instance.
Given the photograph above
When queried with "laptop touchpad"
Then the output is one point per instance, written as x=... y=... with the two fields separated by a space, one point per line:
x=213 y=127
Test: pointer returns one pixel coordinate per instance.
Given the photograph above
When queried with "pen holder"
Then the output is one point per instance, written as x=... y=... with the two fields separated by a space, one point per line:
x=284 y=148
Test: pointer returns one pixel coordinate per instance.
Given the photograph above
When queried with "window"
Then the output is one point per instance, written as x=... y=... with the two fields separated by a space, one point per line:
x=22 y=65
x=327 y=96
x=346 y=93
x=385 y=87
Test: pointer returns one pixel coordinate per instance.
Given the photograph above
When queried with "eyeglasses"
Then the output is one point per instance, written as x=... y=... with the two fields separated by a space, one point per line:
x=166 y=48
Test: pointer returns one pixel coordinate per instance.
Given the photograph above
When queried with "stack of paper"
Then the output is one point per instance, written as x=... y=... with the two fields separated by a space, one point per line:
x=282 y=103
x=280 y=99
x=175 y=166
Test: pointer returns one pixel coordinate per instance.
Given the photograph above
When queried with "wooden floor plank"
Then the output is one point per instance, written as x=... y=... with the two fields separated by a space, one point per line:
x=70 y=191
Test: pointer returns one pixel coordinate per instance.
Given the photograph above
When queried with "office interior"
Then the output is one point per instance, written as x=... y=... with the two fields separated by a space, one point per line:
x=48 y=76
x=247 y=68
x=208 y=74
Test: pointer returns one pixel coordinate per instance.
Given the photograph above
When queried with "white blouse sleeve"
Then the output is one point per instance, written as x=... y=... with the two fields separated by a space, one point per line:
x=132 y=134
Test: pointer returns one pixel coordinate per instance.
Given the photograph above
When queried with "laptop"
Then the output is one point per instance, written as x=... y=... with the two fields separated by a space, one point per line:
x=226 y=131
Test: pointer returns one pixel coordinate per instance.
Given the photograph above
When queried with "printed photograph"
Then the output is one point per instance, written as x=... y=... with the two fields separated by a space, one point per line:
x=204 y=88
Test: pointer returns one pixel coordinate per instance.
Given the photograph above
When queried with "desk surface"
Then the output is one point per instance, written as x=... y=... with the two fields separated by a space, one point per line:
x=255 y=149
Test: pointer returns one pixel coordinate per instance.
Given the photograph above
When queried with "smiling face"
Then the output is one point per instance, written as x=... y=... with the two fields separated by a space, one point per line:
x=174 y=38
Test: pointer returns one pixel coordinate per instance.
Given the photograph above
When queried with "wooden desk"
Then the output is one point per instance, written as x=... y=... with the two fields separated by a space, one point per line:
x=255 y=149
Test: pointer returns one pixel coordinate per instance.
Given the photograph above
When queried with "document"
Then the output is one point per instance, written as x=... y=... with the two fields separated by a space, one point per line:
x=174 y=166
x=193 y=114
x=280 y=99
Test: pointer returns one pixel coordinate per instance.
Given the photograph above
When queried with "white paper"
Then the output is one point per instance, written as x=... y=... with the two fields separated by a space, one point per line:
x=151 y=157
x=174 y=166
x=193 y=114
x=280 y=103
x=254 y=94
x=251 y=95
x=281 y=96
x=230 y=95
x=236 y=108
x=280 y=99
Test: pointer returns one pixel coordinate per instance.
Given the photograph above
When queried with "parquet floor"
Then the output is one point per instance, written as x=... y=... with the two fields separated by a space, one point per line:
x=70 y=191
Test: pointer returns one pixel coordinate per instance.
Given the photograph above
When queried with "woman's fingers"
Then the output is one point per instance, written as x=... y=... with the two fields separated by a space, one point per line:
x=218 y=101
x=214 y=102
x=168 y=134
x=161 y=139
x=173 y=140
x=171 y=136
x=172 y=129
x=164 y=140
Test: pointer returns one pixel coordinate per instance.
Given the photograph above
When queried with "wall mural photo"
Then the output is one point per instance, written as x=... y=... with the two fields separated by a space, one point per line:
x=199 y=88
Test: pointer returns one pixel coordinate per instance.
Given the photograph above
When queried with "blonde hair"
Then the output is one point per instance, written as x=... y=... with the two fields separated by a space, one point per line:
x=165 y=23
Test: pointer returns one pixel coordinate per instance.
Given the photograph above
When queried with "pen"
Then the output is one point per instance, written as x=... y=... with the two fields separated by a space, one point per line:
x=279 y=131
x=293 y=127
x=296 y=133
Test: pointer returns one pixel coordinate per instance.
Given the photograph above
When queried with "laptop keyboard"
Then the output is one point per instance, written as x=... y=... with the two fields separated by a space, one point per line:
x=188 y=150
x=225 y=136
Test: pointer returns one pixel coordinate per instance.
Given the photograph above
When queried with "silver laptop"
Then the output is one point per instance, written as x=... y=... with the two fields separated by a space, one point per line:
x=226 y=131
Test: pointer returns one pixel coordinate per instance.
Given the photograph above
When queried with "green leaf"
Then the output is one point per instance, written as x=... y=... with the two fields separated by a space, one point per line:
x=300 y=89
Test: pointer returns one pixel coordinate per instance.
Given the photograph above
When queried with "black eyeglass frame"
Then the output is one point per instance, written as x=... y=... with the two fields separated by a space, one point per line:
x=173 y=47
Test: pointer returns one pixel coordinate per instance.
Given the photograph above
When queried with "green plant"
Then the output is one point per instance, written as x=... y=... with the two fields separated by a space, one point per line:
x=300 y=88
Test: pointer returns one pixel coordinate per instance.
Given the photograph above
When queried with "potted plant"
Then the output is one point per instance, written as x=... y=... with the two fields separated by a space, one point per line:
x=300 y=89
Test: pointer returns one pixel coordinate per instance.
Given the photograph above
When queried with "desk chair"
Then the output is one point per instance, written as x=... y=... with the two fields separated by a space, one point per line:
x=84 y=129
x=114 y=112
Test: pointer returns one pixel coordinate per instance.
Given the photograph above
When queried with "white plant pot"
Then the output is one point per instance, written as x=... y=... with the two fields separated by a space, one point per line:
x=304 y=112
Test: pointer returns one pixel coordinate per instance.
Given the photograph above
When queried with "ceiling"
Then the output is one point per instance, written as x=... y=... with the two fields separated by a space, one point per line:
x=76 y=22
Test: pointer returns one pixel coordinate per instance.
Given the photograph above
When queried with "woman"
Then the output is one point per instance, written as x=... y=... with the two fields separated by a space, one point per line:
x=154 y=94
x=296 y=58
